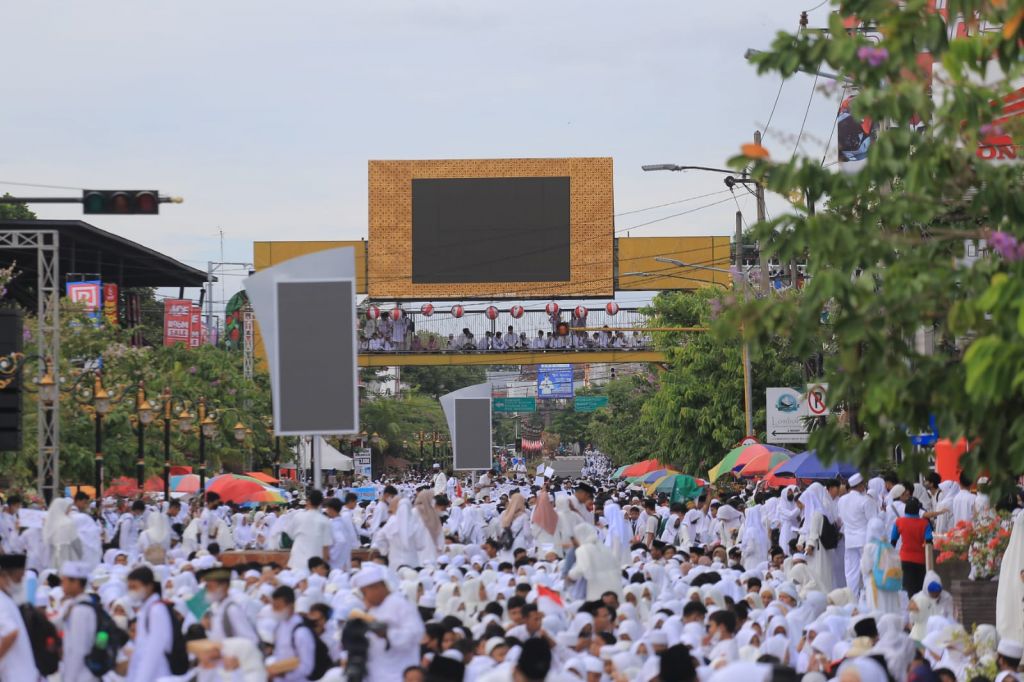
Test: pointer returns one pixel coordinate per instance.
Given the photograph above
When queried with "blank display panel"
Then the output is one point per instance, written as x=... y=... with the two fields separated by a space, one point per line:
x=316 y=357
x=472 y=447
x=467 y=230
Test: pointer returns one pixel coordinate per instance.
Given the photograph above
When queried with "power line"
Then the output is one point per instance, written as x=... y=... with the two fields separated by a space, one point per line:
x=803 y=123
x=671 y=203
x=35 y=184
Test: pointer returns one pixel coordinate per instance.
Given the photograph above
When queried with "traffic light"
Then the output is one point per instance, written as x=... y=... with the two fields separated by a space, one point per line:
x=11 y=337
x=120 y=201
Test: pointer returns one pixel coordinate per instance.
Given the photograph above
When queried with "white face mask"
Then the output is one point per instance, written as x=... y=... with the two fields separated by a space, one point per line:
x=121 y=622
x=136 y=597
x=16 y=591
x=281 y=616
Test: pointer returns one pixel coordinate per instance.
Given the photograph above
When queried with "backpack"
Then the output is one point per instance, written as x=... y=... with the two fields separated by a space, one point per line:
x=829 y=535
x=46 y=642
x=177 y=657
x=322 y=659
x=115 y=542
x=887 y=571
x=506 y=539
x=101 y=659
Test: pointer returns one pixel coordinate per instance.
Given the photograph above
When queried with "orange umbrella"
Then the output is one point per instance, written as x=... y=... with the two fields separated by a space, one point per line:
x=642 y=468
x=122 y=487
x=260 y=476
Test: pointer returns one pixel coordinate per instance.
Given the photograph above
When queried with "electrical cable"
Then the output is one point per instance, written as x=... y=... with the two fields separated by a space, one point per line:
x=803 y=123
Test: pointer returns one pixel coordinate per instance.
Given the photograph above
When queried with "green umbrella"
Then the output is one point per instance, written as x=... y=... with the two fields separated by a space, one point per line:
x=618 y=472
x=685 y=488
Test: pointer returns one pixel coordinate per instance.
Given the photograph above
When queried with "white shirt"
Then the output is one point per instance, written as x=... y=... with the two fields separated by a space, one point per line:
x=856 y=509
x=228 y=619
x=311 y=532
x=343 y=532
x=18 y=663
x=79 y=622
x=405 y=630
x=963 y=506
x=292 y=640
x=92 y=540
x=153 y=638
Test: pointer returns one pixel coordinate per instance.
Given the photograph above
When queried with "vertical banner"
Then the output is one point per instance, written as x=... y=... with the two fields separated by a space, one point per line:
x=195 y=328
x=110 y=304
x=177 y=321
x=88 y=294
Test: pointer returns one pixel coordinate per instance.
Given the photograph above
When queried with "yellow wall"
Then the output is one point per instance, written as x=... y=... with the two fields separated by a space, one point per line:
x=637 y=254
x=266 y=254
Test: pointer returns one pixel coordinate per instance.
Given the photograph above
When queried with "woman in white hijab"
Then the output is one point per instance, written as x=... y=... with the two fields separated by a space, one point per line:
x=819 y=559
x=894 y=645
x=596 y=564
x=429 y=535
x=619 y=536
x=1010 y=599
x=755 y=538
x=60 y=536
x=880 y=567
x=396 y=540
x=787 y=513
x=156 y=539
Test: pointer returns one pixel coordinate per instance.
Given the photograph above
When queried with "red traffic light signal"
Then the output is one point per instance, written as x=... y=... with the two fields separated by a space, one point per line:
x=123 y=202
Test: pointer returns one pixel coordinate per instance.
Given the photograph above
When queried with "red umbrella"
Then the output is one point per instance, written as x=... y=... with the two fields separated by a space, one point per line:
x=762 y=463
x=154 y=484
x=122 y=487
x=238 y=489
x=642 y=468
x=775 y=481
x=260 y=476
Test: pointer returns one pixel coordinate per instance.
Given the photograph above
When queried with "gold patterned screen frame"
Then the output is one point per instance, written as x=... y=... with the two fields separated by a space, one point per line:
x=591 y=227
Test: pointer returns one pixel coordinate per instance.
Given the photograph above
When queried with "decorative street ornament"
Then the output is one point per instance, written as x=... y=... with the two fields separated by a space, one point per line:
x=427 y=309
x=396 y=313
x=612 y=308
x=457 y=311
x=491 y=312
x=516 y=311
x=372 y=313
x=551 y=308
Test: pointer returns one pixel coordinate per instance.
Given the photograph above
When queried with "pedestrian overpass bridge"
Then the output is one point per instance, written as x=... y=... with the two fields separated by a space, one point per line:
x=528 y=357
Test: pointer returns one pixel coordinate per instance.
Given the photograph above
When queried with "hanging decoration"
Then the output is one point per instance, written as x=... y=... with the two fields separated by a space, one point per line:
x=612 y=308
x=581 y=312
x=427 y=309
x=396 y=313
x=516 y=311
x=491 y=312
x=372 y=313
x=457 y=311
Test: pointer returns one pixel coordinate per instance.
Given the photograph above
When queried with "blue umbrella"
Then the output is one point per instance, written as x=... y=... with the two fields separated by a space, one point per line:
x=807 y=465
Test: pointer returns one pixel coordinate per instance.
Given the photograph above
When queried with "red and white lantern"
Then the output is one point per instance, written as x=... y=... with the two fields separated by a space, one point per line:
x=551 y=308
x=516 y=311
x=427 y=309
x=372 y=313
x=457 y=311
x=491 y=312
x=396 y=313
x=612 y=308
x=581 y=312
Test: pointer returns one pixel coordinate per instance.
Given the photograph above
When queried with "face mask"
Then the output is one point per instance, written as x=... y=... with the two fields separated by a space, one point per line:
x=216 y=595
x=16 y=592
x=121 y=622
x=281 y=616
x=136 y=597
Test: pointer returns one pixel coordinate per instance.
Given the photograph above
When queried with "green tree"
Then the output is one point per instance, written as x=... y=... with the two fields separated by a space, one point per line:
x=15 y=211
x=697 y=415
x=615 y=428
x=887 y=258
x=398 y=421
x=436 y=380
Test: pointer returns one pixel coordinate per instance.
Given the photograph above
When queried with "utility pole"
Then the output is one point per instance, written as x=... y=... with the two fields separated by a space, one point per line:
x=762 y=259
x=738 y=282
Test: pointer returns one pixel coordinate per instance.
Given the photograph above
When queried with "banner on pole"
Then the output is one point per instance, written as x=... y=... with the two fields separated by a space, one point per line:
x=110 y=304
x=177 y=321
x=195 y=327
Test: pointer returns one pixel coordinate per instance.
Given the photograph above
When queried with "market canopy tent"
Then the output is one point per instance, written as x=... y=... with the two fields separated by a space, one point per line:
x=806 y=465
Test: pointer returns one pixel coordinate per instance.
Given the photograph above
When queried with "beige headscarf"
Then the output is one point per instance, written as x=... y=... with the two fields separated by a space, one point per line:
x=428 y=513
x=545 y=515
x=516 y=506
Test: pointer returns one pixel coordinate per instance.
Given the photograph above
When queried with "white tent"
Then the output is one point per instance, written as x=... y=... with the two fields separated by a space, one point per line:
x=330 y=458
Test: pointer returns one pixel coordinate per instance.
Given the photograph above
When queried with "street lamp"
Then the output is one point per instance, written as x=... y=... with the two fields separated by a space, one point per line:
x=144 y=415
x=207 y=429
x=98 y=401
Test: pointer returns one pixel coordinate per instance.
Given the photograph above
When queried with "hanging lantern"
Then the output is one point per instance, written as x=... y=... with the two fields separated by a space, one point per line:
x=551 y=308
x=372 y=313
x=396 y=313
x=427 y=309
x=516 y=311
x=611 y=307
x=457 y=311
x=581 y=312
x=491 y=312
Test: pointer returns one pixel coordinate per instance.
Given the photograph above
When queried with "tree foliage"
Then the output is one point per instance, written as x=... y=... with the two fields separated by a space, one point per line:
x=697 y=413
x=886 y=258
x=399 y=421
x=15 y=211
x=615 y=428
x=436 y=380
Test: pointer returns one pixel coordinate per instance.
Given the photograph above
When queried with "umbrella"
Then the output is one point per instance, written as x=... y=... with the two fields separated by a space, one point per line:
x=641 y=468
x=620 y=471
x=655 y=475
x=774 y=480
x=668 y=483
x=260 y=476
x=122 y=487
x=72 y=490
x=186 y=483
x=763 y=462
x=807 y=465
x=239 y=489
x=739 y=456
x=154 y=484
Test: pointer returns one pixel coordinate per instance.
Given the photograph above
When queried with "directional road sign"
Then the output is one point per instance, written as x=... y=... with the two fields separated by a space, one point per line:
x=589 y=403
x=790 y=411
x=514 y=404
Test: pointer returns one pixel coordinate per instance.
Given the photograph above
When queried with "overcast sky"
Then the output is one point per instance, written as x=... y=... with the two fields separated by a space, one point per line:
x=262 y=115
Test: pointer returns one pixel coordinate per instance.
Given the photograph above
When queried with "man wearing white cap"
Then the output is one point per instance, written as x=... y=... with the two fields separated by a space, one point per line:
x=79 y=622
x=1008 y=660
x=398 y=647
x=856 y=509
x=440 y=480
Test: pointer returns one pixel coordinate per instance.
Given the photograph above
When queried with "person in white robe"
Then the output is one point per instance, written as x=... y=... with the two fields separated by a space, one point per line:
x=396 y=539
x=89 y=531
x=595 y=564
x=1010 y=600
x=754 y=538
x=310 y=531
x=820 y=560
x=78 y=622
x=428 y=531
x=155 y=541
x=440 y=481
x=618 y=536
x=881 y=591
x=60 y=534
x=787 y=514
x=399 y=647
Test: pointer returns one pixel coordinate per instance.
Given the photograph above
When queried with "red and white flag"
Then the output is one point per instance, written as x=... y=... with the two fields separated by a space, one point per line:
x=549 y=601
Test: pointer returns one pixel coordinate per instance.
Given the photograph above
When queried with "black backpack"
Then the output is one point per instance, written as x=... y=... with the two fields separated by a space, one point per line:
x=177 y=657
x=115 y=542
x=46 y=643
x=322 y=660
x=101 y=660
x=829 y=534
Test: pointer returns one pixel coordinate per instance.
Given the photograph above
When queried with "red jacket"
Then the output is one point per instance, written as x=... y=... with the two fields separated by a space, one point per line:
x=912 y=531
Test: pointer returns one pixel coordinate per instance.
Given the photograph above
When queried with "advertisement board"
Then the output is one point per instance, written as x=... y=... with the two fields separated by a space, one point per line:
x=88 y=294
x=554 y=381
x=195 y=327
x=110 y=304
x=177 y=321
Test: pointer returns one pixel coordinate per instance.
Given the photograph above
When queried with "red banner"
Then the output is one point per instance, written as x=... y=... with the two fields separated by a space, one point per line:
x=195 y=331
x=177 y=321
x=110 y=304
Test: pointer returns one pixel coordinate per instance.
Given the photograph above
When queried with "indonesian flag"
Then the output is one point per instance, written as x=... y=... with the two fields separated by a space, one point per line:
x=549 y=601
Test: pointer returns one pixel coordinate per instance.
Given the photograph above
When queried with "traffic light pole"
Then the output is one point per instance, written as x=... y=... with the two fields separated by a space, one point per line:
x=81 y=200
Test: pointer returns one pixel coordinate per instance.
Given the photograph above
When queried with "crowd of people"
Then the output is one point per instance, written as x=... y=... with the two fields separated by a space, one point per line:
x=387 y=335
x=494 y=579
